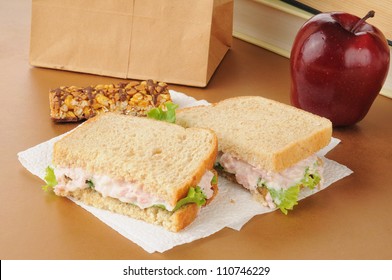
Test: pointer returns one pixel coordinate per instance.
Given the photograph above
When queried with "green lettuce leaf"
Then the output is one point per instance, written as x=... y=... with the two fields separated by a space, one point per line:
x=195 y=195
x=214 y=180
x=169 y=115
x=287 y=199
x=50 y=179
x=310 y=180
x=90 y=183
x=218 y=166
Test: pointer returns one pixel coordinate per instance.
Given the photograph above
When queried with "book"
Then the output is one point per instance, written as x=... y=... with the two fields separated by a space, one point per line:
x=383 y=10
x=268 y=24
x=273 y=25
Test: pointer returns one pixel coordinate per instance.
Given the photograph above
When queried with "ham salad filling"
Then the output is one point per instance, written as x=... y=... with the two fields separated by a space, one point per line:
x=306 y=173
x=72 y=179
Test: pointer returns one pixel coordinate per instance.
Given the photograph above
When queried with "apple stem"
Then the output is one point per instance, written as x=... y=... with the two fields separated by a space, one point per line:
x=362 y=20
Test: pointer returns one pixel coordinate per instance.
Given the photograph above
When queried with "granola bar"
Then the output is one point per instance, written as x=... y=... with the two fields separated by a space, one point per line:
x=72 y=104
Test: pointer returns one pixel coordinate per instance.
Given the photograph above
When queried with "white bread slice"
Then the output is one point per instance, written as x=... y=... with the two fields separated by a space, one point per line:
x=165 y=158
x=267 y=134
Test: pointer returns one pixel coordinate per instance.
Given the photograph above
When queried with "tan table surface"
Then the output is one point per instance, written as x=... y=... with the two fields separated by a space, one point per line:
x=349 y=220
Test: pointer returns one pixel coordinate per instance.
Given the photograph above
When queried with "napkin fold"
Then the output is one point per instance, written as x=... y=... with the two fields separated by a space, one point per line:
x=233 y=206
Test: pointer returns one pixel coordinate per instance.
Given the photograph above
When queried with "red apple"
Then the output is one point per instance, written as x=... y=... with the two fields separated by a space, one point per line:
x=338 y=66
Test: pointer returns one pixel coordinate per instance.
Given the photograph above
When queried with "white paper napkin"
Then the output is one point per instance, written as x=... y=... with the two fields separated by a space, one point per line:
x=233 y=206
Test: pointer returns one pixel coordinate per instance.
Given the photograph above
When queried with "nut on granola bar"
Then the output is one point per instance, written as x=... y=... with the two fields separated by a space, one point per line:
x=72 y=104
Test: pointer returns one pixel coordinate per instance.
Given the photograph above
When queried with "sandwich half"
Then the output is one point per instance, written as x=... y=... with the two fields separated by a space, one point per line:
x=266 y=146
x=150 y=170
